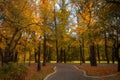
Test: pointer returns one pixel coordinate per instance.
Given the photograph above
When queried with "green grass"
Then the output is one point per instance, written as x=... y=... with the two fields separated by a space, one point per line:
x=87 y=62
x=76 y=62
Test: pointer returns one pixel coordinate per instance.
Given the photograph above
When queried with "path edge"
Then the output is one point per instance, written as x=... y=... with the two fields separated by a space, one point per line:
x=50 y=74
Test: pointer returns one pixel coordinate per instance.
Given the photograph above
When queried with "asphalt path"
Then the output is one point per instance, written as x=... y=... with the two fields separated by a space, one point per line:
x=68 y=72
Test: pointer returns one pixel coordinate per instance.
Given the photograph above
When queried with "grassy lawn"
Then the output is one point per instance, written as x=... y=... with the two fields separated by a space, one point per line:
x=77 y=62
x=88 y=62
x=34 y=75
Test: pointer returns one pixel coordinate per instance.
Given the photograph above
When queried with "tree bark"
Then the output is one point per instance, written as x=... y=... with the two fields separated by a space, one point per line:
x=81 y=54
x=1 y=54
x=98 y=53
x=113 y=53
x=93 y=61
x=117 y=51
x=49 y=54
x=16 y=56
x=64 y=56
x=106 y=51
x=29 y=57
x=56 y=35
x=24 y=57
x=61 y=55
x=44 y=53
x=39 y=64
x=35 y=55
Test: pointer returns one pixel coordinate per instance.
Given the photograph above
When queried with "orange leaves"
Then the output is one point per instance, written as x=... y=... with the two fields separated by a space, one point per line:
x=33 y=74
x=2 y=45
x=100 y=70
x=80 y=30
x=45 y=7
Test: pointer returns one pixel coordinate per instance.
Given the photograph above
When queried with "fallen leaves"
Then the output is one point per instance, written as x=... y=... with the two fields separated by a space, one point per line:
x=99 y=70
x=34 y=75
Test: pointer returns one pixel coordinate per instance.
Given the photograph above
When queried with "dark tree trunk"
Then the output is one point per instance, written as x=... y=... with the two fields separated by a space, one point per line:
x=1 y=54
x=29 y=57
x=81 y=54
x=113 y=53
x=57 y=54
x=61 y=55
x=113 y=56
x=106 y=51
x=118 y=64
x=16 y=57
x=44 y=53
x=36 y=53
x=2 y=59
x=24 y=57
x=39 y=64
x=56 y=35
x=7 y=57
x=93 y=61
x=98 y=53
x=64 y=56
x=117 y=51
x=49 y=54
x=117 y=57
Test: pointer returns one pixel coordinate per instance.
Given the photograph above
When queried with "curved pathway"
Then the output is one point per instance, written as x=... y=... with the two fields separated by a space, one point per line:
x=68 y=72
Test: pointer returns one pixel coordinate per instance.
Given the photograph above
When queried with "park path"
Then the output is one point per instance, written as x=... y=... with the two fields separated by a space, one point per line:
x=68 y=72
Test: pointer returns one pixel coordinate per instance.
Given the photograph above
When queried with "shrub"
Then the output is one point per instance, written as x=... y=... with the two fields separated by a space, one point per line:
x=13 y=71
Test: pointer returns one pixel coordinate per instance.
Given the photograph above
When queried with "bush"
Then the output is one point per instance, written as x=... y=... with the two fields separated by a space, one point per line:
x=13 y=71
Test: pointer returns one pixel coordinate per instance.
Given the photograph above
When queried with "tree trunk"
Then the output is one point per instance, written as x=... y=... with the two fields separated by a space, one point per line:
x=106 y=51
x=1 y=54
x=49 y=54
x=57 y=55
x=44 y=53
x=39 y=64
x=7 y=57
x=93 y=61
x=117 y=51
x=118 y=64
x=36 y=53
x=29 y=57
x=61 y=55
x=24 y=57
x=56 y=35
x=83 y=56
x=98 y=53
x=64 y=56
x=16 y=56
x=80 y=54
x=113 y=53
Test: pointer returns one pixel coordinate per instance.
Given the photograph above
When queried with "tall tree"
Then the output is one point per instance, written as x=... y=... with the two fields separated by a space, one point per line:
x=17 y=17
x=110 y=15
x=46 y=16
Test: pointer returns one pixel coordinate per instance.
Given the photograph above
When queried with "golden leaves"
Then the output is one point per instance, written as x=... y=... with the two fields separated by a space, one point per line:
x=81 y=30
x=2 y=45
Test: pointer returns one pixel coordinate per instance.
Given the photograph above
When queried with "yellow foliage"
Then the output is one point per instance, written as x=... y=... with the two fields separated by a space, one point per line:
x=2 y=45
x=81 y=30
